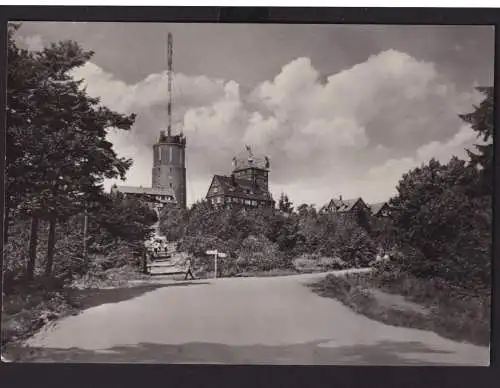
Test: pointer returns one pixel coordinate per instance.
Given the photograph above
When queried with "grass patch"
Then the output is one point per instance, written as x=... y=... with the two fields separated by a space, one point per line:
x=30 y=308
x=452 y=313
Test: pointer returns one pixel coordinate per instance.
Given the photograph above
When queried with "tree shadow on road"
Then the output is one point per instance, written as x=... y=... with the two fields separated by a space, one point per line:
x=382 y=353
x=93 y=297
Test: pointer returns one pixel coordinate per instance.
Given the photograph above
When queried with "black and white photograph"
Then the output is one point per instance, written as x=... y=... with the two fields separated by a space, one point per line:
x=245 y=193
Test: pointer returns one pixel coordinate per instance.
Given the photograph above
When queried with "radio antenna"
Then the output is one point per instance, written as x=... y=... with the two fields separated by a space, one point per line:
x=170 y=52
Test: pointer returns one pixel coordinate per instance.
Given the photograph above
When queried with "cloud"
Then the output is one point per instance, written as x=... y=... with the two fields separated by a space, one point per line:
x=391 y=171
x=354 y=133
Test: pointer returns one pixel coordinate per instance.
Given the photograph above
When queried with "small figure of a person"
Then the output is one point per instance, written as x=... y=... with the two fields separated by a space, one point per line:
x=189 y=271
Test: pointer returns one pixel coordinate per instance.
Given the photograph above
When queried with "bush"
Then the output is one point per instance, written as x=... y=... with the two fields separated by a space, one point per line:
x=305 y=263
x=355 y=247
x=443 y=226
x=198 y=245
x=452 y=312
x=315 y=262
x=257 y=253
x=332 y=263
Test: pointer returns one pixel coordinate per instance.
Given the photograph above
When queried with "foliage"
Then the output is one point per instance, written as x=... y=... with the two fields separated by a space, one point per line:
x=284 y=204
x=128 y=219
x=173 y=221
x=258 y=253
x=442 y=226
x=49 y=117
x=57 y=151
x=437 y=307
x=482 y=121
x=293 y=234
x=355 y=246
x=315 y=262
x=197 y=245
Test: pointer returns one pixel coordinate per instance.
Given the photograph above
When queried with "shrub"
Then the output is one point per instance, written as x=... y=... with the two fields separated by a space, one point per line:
x=315 y=262
x=305 y=263
x=259 y=254
x=332 y=263
x=355 y=247
x=443 y=226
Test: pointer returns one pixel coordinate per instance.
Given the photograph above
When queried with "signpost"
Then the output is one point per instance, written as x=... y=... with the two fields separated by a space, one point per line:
x=216 y=255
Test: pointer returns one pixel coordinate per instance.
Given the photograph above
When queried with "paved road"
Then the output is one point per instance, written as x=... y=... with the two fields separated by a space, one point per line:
x=242 y=321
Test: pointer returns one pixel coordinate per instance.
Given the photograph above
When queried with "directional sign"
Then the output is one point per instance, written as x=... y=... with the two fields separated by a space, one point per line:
x=216 y=255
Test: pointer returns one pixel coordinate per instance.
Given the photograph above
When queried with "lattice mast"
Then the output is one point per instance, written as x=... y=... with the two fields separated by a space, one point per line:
x=170 y=54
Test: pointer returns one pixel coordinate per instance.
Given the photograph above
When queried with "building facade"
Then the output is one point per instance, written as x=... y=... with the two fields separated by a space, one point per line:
x=247 y=186
x=169 y=166
x=380 y=209
x=351 y=207
x=156 y=198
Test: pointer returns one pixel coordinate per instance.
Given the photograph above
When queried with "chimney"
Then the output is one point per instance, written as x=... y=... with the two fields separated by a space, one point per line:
x=340 y=197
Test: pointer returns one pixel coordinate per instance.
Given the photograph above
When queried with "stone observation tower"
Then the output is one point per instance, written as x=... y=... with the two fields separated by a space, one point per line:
x=169 y=153
x=169 y=165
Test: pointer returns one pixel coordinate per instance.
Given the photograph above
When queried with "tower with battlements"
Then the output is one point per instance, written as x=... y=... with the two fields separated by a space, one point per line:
x=169 y=165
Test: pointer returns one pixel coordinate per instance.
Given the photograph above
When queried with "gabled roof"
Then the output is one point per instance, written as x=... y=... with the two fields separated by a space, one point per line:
x=144 y=190
x=376 y=207
x=241 y=188
x=344 y=205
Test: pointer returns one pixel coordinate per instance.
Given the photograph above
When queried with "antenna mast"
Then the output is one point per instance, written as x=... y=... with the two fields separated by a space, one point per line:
x=169 y=75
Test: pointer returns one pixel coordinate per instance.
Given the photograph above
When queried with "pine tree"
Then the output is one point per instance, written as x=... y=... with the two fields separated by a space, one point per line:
x=482 y=121
x=61 y=132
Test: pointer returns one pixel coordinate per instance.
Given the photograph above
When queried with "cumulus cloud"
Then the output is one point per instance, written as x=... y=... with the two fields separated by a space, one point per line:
x=354 y=133
x=390 y=171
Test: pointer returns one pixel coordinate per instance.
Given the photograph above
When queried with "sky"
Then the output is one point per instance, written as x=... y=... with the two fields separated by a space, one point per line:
x=339 y=109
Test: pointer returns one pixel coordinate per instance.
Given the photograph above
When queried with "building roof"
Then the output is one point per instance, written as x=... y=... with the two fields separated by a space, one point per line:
x=376 y=207
x=241 y=163
x=242 y=188
x=344 y=205
x=144 y=190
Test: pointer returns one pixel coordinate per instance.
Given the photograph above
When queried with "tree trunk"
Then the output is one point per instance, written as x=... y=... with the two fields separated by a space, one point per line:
x=145 y=262
x=50 y=247
x=85 y=247
x=6 y=224
x=30 y=268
